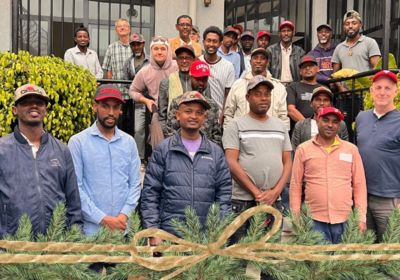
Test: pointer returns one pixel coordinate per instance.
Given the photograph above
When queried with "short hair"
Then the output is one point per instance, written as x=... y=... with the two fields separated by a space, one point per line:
x=184 y=16
x=122 y=19
x=81 y=28
x=213 y=29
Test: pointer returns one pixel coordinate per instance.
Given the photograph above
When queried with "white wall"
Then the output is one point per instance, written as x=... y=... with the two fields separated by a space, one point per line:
x=319 y=8
x=167 y=11
x=5 y=25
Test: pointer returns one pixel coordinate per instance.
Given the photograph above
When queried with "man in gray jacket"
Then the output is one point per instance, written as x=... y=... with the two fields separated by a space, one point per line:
x=306 y=129
x=284 y=56
x=36 y=169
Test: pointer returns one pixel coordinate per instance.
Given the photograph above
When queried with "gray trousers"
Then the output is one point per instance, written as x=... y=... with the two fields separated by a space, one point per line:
x=378 y=212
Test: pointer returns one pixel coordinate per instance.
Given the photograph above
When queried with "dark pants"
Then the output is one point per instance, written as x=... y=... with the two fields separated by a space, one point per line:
x=239 y=206
x=332 y=232
x=126 y=121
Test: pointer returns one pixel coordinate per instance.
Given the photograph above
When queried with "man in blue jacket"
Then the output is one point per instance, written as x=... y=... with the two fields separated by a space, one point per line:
x=36 y=169
x=185 y=170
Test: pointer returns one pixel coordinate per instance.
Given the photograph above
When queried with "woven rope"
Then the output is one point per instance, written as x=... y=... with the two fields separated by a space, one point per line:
x=259 y=251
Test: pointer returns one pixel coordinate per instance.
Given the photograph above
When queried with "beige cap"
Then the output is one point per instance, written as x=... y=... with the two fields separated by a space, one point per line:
x=28 y=90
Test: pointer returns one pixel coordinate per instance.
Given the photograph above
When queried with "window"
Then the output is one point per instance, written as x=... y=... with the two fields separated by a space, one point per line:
x=45 y=27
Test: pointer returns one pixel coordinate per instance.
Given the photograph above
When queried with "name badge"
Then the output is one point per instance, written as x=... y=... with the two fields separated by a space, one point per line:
x=346 y=157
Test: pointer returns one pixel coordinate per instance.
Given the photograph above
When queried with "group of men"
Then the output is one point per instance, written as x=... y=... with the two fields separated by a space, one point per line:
x=227 y=136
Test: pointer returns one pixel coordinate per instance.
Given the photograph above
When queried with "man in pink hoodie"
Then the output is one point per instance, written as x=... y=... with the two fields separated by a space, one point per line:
x=145 y=86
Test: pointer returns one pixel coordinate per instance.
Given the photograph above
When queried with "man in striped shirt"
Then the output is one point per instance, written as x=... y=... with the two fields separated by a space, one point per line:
x=258 y=151
x=222 y=71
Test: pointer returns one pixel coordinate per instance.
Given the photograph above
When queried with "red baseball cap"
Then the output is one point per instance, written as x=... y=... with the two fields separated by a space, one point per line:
x=108 y=91
x=199 y=69
x=308 y=58
x=330 y=110
x=263 y=33
x=385 y=73
x=286 y=23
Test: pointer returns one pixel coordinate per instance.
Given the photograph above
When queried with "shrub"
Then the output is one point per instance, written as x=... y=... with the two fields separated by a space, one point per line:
x=70 y=88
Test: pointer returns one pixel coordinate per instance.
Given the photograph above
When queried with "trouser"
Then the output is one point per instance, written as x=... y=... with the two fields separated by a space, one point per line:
x=140 y=128
x=126 y=120
x=378 y=213
x=332 y=232
x=239 y=206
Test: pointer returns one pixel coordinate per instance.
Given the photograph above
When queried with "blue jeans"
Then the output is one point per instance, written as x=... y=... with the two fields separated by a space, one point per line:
x=332 y=232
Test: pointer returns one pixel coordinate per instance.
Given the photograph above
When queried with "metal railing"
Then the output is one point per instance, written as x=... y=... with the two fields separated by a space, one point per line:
x=351 y=102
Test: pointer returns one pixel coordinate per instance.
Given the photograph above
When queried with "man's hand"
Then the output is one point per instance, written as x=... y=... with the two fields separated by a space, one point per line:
x=268 y=197
x=154 y=241
x=113 y=223
x=149 y=104
x=362 y=226
x=123 y=218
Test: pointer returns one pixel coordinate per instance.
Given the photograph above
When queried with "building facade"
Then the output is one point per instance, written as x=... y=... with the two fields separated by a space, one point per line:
x=46 y=26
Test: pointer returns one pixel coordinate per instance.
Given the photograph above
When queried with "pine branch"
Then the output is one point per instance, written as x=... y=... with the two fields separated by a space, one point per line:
x=215 y=224
x=190 y=229
x=25 y=229
x=392 y=235
x=56 y=228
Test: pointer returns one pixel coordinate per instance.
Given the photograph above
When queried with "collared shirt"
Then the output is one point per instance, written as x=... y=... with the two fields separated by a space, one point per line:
x=183 y=43
x=88 y=60
x=378 y=139
x=233 y=57
x=108 y=173
x=34 y=148
x=330 y=148
x=114 y=60
x=286 y=75
x=333 y=181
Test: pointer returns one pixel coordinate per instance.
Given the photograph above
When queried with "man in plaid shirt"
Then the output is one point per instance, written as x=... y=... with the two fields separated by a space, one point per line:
x=113 y=65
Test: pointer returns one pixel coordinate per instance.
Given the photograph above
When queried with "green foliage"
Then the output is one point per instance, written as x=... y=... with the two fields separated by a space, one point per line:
x=215 y=267
x=70 y=88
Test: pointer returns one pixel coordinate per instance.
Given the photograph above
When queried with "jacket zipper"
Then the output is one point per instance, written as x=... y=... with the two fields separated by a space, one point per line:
x=39 y=188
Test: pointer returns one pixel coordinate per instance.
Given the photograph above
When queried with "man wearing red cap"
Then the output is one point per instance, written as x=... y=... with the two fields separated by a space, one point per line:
x=263 y=39
x=285 y=56
x=323 y=52
x=332 y=173
x=246 y=43
x=199 y=75
x=378 y=137
x=107 y=166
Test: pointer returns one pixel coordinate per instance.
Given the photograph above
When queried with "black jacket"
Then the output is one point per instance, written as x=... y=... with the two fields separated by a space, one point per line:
x=275 y=61
x=173 y=182
x=36 y=185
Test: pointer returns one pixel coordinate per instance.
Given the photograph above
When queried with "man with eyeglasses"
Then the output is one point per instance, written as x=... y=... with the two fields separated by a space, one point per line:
x=184 y=27
x=176 y=83
x=185 y=170
x=36 y=169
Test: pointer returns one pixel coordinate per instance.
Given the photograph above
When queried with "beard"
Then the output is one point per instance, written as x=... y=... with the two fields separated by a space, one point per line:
x=352 y=34
x=105 y=124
